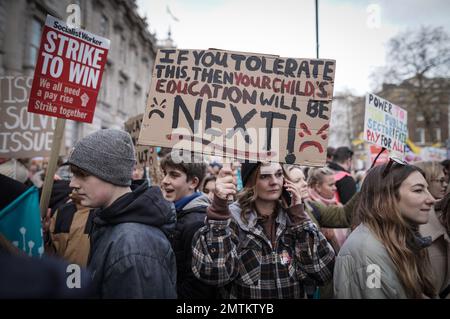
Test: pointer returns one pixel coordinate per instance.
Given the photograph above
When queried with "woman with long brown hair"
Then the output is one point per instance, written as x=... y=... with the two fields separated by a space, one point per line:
x=384 y=256
x=260 y=246
x=322 y=189
x=438 y=226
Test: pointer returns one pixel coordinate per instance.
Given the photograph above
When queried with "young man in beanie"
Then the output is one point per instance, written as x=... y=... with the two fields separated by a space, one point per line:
x=180 y=185
x=130 y=255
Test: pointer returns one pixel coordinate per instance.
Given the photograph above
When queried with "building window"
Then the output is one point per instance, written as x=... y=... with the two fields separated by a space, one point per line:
x=419 y=116
x=402 y=98
x=136 y=63
x=436 y=115
x=104 y=26
x=123 y=50
x=137 y=100
x=437 y=135
x=122 y=93
x=35 y=39
x=420 y=135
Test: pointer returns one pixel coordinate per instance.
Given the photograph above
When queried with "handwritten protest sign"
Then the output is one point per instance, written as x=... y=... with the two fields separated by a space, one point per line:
x=22 y=134
x=145 y=156
x=240 y=105
x=68 y=72
x=385 y=124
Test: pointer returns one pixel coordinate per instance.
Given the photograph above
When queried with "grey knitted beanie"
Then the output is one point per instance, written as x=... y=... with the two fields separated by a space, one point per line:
x=107 y=154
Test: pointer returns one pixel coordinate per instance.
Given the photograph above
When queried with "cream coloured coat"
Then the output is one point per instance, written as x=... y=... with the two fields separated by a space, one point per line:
x=364 y=269
x=439 y=251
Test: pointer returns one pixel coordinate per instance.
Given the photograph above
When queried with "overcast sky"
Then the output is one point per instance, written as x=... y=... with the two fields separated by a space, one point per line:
x=352 y=32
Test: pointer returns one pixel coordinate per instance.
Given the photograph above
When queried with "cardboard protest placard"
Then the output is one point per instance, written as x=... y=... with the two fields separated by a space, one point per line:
x=145 y=155
x=240 y=105
x=68 y=72
x=385 y=124
x=22 y=134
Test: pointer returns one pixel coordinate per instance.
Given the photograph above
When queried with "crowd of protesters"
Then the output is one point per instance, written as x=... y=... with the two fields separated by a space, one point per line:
x=248 y=230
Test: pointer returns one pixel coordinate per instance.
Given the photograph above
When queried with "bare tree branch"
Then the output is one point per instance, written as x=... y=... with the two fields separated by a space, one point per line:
x=418 y=62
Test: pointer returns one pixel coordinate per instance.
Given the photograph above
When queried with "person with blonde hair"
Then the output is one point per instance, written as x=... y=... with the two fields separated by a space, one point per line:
x=323 y=215
x=322 y=189
x=434 y=174
x=384 y=257
x=322 y=186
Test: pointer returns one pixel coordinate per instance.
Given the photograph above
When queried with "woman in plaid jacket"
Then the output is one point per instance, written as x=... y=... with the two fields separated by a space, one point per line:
x=257 y=248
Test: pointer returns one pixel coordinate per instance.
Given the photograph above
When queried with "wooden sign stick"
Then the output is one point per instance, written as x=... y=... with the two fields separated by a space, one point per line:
x=51 y=168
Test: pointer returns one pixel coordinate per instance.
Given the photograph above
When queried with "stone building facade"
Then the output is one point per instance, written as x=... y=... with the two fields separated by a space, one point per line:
x=129 y=66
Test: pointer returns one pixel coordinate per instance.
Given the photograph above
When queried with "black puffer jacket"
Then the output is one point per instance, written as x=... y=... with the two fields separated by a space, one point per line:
x=131 y=256
x=346 y=186
x=190 y=218
x=22 y=277
x=10 y=190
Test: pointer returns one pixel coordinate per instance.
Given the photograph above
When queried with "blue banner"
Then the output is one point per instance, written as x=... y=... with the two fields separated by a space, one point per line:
x=20 y=223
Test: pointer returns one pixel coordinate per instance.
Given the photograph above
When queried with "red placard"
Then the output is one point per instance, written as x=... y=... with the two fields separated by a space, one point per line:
x=68 y=72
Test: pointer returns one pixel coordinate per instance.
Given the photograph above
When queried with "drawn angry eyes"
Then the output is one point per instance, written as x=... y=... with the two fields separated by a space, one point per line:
x=305 y=130
x=159 y=112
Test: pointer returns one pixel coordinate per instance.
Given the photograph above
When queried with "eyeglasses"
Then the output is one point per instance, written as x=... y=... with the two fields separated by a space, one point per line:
x=390 y=164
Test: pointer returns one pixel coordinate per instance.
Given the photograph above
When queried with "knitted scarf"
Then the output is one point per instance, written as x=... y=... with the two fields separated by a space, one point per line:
x=315 y=196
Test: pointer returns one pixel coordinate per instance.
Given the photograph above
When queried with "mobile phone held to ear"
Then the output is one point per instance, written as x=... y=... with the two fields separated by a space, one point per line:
x=286 y=196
